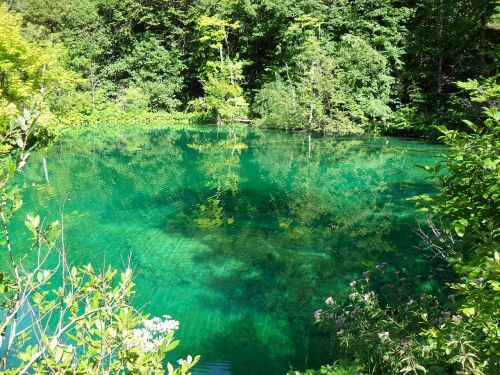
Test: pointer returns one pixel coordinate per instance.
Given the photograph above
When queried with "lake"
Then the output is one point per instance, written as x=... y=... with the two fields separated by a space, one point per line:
x=240 y=235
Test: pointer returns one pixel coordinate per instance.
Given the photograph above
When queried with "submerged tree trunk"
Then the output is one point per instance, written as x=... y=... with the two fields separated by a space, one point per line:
x=309 y=146
x=45 y=170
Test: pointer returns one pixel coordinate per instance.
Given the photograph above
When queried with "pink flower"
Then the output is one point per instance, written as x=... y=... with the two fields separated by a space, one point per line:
x=317 y=314
x=329 y=301
x=381 y=267
x=478 y=281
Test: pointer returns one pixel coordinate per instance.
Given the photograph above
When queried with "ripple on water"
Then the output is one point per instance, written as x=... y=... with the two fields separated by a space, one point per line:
x=241 y=244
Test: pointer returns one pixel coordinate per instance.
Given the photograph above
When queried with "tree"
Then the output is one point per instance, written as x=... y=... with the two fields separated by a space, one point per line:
x=223 y=98
x=26 y=67
x=343 y=86
x=153 y=69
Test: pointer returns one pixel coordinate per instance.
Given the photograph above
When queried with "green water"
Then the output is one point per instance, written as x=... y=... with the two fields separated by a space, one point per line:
x=240 y=239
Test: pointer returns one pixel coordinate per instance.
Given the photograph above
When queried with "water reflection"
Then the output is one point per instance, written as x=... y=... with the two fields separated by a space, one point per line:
x=238 y=234
x=219 y=161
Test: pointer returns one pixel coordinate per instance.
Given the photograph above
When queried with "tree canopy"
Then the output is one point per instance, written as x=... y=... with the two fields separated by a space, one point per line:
x=344 y=66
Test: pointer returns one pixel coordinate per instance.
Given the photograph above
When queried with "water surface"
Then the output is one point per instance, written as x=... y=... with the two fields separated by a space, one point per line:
x=239 y=236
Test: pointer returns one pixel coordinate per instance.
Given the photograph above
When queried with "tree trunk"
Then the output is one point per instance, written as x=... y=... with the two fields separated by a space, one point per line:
x=221 y=55
x=231 y=74
x=440 y=76
x=440 y=42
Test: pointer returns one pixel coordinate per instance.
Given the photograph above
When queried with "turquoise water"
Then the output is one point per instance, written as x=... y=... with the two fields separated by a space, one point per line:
x=240 y=237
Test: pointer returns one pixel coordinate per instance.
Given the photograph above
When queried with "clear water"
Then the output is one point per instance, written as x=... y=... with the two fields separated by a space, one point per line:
x=240 y=238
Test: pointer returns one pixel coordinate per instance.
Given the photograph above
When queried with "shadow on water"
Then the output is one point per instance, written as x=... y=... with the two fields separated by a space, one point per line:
x=240 y=236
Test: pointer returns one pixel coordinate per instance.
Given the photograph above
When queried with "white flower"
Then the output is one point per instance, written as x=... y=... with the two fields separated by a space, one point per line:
x=151 y=337
x=187 y=361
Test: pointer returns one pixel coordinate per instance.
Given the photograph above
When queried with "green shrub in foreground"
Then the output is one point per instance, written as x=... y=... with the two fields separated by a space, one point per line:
x=395 y=331
x=58 y=319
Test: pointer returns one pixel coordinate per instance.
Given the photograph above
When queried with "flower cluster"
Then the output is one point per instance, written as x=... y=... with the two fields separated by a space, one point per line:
x=151 y=337
x=161 y=326
x=329 y=301
x=317 y=314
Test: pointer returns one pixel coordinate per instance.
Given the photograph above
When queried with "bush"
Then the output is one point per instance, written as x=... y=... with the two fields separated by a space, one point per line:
x=400 y=331
x=276 y=105
x=63 y=319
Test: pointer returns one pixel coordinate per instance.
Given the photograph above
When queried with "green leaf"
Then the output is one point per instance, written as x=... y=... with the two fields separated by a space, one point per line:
x=488 y=163
x=172 y=345
x=441 y=129
x=469 y=311
x=471 y=125
x=10 y=165
x=459 y=229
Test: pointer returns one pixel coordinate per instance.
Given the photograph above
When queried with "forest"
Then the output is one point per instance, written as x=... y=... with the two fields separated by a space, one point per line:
x=318 y=178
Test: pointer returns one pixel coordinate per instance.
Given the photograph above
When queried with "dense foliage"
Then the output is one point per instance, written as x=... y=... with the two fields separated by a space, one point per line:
x=26 y=67
x=409 y=330
x=344 y=66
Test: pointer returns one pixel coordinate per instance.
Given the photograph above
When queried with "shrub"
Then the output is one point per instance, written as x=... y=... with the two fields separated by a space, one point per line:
x=396 y=331
x=62 y=319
